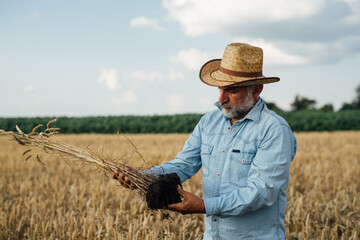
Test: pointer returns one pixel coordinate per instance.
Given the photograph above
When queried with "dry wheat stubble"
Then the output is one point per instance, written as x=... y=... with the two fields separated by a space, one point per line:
x=56 y=202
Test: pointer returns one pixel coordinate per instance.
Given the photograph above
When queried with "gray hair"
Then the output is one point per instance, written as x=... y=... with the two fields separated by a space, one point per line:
x=249 y=89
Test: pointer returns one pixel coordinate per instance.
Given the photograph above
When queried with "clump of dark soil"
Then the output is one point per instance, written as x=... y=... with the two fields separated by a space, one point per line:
x=163 y=192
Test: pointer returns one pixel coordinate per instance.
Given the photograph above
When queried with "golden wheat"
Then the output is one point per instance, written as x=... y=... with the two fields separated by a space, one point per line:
x=53 y=202
x=140 y=180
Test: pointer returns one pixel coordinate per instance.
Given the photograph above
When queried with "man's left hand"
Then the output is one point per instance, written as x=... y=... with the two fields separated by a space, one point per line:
x=190 y=203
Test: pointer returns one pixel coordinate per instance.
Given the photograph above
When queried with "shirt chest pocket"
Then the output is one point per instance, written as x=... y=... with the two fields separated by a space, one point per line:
x=240 y=163
x=205 y=152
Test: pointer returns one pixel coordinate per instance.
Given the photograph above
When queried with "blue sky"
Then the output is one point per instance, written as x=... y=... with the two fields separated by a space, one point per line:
x=89 y=58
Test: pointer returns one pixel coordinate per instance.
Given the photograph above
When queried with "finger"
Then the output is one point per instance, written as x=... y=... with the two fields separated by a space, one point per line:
x=174 y=206
x=115 y=174
x=181 y=190
x=177 y=207
x=125 y=182
x=121 y=178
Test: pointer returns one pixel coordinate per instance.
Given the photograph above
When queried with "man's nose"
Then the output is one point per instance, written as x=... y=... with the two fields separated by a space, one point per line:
x=223 y=98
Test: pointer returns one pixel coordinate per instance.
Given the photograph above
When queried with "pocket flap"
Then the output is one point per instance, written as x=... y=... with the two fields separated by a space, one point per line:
x=206 y=149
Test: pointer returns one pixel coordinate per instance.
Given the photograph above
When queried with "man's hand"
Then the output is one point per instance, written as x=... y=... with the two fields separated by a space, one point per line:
x=123 y=180
x=190 y=203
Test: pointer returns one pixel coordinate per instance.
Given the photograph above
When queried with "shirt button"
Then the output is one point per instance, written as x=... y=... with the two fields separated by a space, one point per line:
x=234 y=130
x=243 y=160
x=223 y=150
x=215 y=220
x=229 y=128
x=218 y=174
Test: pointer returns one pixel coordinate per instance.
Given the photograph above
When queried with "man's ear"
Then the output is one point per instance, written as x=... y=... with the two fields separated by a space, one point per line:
x=257 y=90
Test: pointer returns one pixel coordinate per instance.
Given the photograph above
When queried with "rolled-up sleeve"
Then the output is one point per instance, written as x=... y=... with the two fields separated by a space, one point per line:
x=187 y=162
x=269 y=171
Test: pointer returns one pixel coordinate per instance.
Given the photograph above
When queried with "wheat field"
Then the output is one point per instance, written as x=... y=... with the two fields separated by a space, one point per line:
x=62 y=202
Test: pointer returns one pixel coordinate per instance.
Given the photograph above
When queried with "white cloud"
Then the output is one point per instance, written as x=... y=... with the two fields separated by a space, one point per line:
x=143 y=22
x=176 y=103
x=110 y=78
x=355 y=9
x=294 y=32
x=322 y=52
x=209 y=16
x=192 y=58
x=274 y=55
x=29 y=88
x=126 y=98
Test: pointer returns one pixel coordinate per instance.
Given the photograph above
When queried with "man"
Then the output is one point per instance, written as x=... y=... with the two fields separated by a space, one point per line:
x=244 y=149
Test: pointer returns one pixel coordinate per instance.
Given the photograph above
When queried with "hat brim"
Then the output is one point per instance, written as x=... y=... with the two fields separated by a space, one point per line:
x=210 y=75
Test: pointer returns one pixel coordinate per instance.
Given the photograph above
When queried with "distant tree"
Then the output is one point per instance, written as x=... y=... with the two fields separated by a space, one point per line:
x=348 y=106
x=273 y=106
x=354 y=104
x=302 y=103
x=327 y=108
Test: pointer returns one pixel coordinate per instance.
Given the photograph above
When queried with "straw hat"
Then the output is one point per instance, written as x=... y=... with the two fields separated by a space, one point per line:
x=241 y=65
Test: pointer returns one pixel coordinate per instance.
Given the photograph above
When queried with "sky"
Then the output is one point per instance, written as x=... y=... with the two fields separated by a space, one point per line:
x=141 y=57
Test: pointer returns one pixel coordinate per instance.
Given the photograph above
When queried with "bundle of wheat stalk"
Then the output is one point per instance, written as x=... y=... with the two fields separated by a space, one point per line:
x=150 y=185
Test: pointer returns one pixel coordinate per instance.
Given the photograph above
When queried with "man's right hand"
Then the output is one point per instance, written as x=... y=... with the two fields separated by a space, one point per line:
x=123 y=180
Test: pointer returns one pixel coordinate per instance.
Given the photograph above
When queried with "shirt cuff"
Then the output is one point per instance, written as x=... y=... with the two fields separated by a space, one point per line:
x=212 y=206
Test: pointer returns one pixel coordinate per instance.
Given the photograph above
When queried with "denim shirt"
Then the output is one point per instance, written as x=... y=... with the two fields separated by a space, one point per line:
x=245 y=172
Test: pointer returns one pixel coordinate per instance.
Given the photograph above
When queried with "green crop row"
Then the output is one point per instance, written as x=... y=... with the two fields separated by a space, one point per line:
x=180 y=123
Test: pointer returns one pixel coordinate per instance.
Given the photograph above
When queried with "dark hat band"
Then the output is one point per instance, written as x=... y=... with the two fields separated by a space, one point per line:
x=240 y=74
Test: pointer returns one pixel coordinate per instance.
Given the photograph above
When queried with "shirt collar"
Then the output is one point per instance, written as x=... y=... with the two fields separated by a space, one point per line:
x=254 y=113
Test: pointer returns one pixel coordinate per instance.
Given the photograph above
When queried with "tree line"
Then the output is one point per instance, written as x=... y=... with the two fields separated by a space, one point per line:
x=306 y=120
x=301 y=103
x=303 y=117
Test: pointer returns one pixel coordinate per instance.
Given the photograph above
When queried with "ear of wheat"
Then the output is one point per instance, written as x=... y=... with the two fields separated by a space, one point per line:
x=46 y=141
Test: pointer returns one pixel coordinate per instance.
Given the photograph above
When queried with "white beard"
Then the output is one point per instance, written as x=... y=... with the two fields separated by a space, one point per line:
x=231 y=111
